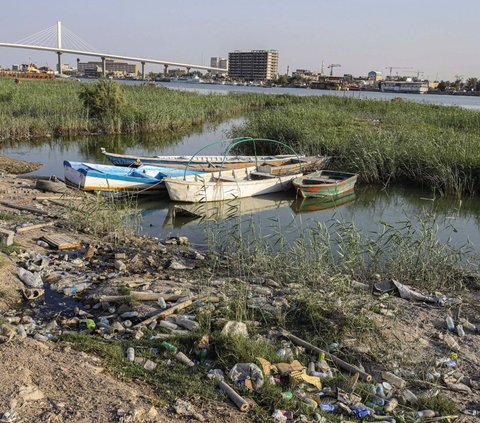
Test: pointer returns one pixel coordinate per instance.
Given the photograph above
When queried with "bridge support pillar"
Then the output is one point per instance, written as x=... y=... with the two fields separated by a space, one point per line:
x=143 y=71
x=59 y=64
x=104 y=67
x=165 y=70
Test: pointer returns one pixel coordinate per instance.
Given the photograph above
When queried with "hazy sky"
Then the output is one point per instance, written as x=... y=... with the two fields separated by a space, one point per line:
x=438 y=37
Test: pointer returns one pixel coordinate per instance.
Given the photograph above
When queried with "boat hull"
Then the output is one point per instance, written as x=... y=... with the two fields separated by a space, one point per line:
x=201 y=163
x=325 y=190
x=201 y=189
x=95 y=177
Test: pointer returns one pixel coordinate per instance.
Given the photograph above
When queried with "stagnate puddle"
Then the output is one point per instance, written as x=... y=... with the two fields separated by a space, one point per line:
x=267 y=216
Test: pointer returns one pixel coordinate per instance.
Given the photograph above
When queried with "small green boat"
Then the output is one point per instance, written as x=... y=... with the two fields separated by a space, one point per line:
x=325 y=184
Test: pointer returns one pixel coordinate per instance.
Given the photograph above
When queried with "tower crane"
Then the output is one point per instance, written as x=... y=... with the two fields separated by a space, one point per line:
x=331 y=68
x=396 y=67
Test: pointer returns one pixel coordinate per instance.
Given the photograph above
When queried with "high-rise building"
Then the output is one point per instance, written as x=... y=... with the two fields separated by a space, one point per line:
x=219 y=62
x=255 y=65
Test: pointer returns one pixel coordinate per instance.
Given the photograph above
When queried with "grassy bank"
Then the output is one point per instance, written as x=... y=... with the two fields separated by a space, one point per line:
x=386 y=142
x=52 y=108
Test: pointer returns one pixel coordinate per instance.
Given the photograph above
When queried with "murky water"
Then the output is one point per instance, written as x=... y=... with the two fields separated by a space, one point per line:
x=268 y=215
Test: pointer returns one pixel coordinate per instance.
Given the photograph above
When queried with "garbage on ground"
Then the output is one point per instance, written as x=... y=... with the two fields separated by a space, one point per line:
x=408 y=293
x=248 y=375
x=233 y=328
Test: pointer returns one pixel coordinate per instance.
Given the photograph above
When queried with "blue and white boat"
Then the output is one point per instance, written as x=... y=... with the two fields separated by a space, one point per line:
x=98 y=177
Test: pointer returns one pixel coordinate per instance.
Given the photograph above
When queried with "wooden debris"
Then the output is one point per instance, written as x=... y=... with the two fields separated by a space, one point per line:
x=339 y=362
x=139 y=296
x=163 y=314
x=58 y=197
x=61 y=242
x=24 y=208
x=33 y=227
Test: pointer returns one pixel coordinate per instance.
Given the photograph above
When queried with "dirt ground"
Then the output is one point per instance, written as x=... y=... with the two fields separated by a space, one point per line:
x=13 y=166
x=53 y=383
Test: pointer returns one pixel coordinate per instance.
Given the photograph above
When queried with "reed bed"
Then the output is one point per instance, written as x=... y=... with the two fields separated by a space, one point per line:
x=385 y=142
x=30 y=109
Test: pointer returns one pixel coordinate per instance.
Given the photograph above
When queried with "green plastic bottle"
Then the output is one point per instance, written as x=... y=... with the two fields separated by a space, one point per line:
x=169 y=347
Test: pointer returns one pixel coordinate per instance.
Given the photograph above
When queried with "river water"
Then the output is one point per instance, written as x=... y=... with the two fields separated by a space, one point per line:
x=268 y=215
x=469 y=102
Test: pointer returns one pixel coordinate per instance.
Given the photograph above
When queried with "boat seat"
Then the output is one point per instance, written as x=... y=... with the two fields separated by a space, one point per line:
x=262 y=175
x=313 y=181
x=226 y=178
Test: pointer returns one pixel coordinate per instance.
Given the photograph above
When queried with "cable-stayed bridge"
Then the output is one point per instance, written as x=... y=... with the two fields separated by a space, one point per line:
x=61 y=40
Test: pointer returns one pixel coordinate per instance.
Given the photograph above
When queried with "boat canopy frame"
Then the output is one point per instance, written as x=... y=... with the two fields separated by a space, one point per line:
x=235 y=142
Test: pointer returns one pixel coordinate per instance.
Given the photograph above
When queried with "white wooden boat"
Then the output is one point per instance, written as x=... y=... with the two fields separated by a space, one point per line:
x=228 y=184
x=98 y=177
x=199 y=163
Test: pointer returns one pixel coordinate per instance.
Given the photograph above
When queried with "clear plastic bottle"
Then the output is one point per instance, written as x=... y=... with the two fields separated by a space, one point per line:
x=130 y=354
x=162 y=303
x=450 y=324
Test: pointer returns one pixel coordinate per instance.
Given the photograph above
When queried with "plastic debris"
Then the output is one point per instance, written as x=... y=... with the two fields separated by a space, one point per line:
x=130 y=354
x=233 y=328
x=32 y=280
x=248 y=375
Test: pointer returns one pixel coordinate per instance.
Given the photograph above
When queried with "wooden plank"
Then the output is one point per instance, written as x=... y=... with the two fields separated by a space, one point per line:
x=24 y=208
x=61 y=242
x=58 y=197
x=339 y=362
x=33 y=227
x=163 y=314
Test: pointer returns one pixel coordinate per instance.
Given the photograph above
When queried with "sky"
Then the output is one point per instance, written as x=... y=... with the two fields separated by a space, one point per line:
x=437 y=37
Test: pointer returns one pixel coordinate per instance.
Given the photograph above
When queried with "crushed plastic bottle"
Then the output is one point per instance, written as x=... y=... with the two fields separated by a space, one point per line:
x=328 y=408
x=460 y=331
x=361 y=412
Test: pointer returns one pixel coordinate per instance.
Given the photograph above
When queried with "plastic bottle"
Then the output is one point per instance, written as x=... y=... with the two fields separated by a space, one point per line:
x=130 y=354
x=162 y=303
x=328 y=408
x=425 y=414
x=184 y=359
x=450 y=324
x=460 y=331
x=169 y=347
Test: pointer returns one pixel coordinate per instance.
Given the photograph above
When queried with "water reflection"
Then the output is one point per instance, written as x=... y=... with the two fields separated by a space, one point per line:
x=284 y=214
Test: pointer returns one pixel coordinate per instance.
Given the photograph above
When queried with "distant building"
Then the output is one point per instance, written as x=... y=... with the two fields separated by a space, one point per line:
x=305 y=73
x=112 y=67
x=375 y=76
x=255 y=65
x=175 y=73
x=409 y=87
x=219 y=62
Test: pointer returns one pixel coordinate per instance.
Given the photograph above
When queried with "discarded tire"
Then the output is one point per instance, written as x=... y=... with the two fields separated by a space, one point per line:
x=51 y=186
